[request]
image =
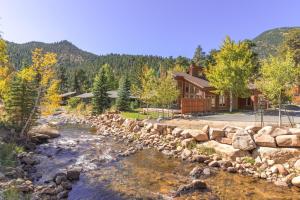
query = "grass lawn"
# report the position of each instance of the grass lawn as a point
(135, 114)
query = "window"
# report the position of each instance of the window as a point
(222, 101)
(213, 102)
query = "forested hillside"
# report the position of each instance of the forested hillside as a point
(268, 42)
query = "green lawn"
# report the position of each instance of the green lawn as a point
(135, 114)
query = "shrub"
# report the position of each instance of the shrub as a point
(8, 154)
(13, 194)
(134, 105)
(192, 145)
(73, 102)
(248, 159)
(206, 150)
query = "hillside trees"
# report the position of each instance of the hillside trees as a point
(100, 100)
(233, 69)
(277, 76)
(292, 44)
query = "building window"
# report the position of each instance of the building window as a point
(213, 102)
(222, 101)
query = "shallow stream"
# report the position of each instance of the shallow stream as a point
(147, 174)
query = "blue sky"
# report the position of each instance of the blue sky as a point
(157, 27)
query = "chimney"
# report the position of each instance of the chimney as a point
(195, 70)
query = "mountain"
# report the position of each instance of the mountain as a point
(67, 53)
(268, 42)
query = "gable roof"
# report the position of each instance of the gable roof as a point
(202, 83)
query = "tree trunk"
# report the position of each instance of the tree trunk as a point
(279, 110)
(231, 101)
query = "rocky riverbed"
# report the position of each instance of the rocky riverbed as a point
(124, 159)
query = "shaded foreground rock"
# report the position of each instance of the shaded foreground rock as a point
(279, 155)
(192, 187)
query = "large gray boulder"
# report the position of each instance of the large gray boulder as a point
(242, 140)
(43, 130)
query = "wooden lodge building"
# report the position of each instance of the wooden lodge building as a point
(196, 94)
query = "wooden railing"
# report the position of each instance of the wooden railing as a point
(195, 105)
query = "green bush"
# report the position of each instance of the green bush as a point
(206, 150)
(248, 159)
(13, 194)
(134, 105)
(73, 102)
(8, 154)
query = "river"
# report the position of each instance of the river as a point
(147, 174)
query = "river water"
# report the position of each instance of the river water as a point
(147, 174)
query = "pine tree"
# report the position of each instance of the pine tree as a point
(199, 56)
(100, 100)
(22, 95)
(123, 100)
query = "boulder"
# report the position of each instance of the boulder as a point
(225, 140)
(242, 140)
(176, 132)
(288, 140)
(185, 154)
(199, 135)
(265, 130)
(44, 130)
(279, 155)
(279, 131)
(196, 172)
(296, 181)
(148, 127)
(73, 174)
(225, 150)
(264, 139)
(186, 142)
(205, 129)
(280, 169)
(186, 133)
(297, 165)
(294, 131)
(192, 187)
(215, 133)
(252, 128)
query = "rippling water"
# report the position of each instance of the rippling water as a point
(148, 174)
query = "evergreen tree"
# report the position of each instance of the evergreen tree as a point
(112, 83)
(22, 94)
(199, 56)
(100, 100)
(123, 100)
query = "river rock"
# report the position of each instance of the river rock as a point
(199, 158)
(205, 129)
(225, 150)
(187, 142)
(62, 195)
(279, 155)
(294, 131)
(66, 185)
(73, 174)
(196, 172)
(177, 132)
(206, 171)
(199, 135)
(189, 188)
(296, 181)
(44, 130)
(252, 128)
(279, 131)
(278, 168)
(215, 133)
(214, 163)
(288, 140)
(186, 133)
(185, 154)
(242, 140)
(297, 165)
(231, 169)
(264, 139)
(148, 127)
